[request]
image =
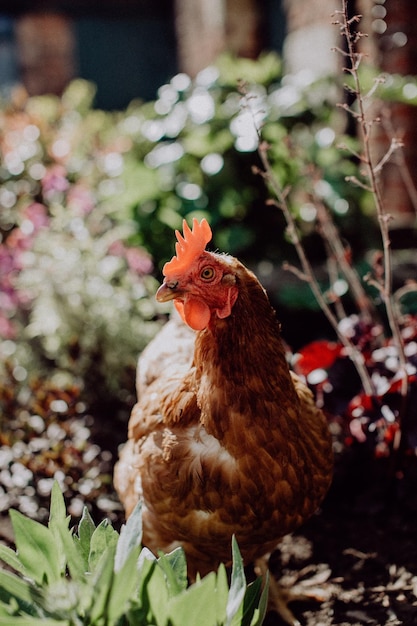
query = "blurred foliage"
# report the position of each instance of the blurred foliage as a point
(196, 147)
(89, 199)
(75, 302)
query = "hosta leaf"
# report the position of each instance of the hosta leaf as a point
(103, 537)
(237, 584)
(130, 537)
(36, 548)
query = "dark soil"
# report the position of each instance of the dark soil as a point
(359, 552)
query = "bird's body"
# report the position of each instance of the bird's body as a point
(224, 439)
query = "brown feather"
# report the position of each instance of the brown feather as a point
(224, 439)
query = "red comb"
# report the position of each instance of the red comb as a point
(189, 246)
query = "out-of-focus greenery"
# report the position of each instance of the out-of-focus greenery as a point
(196, 146)
(75, 301)
(89, 200)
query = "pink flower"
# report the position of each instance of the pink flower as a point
(117, 248)
(80, 199)
(7, 330)
(37, 214)
(54, 180)
(138, 260)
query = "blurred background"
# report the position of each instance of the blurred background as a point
(118, 118)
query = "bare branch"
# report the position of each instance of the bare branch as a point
(296, 271)
(395, 145)
(307, 273)
(365, 127)
(355, 181)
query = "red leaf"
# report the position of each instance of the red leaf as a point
(317, 354)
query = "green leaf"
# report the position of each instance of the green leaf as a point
(222, 594)
(58, 512)
(101, 583)
(58, 524)
(22, 591)
(62, 599)
(195, 606)
(146, 564)
(174, 566)
(82, 541)
(250, 603)
(33, 621)
(154, 594)
(259, 615)
(73, 559)
(36, 548)
(130, 537)
(125, 581)
(103, 537)
(237, 584)
(10, 557)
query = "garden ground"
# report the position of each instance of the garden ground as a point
(359, 551)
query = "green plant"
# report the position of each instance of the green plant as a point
(98, 577)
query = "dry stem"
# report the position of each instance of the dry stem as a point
(365, 125)
(307, 273)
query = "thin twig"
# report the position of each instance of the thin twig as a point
(365, 126)
(333, 240)
(307, 273)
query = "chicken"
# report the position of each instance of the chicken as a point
(224, 438)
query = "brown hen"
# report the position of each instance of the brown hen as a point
(224, 438)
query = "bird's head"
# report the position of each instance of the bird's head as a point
(201, 283)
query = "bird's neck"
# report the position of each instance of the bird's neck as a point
(242, 366)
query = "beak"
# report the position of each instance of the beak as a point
(168, 291)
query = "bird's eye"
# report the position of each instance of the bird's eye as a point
(207, 273)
